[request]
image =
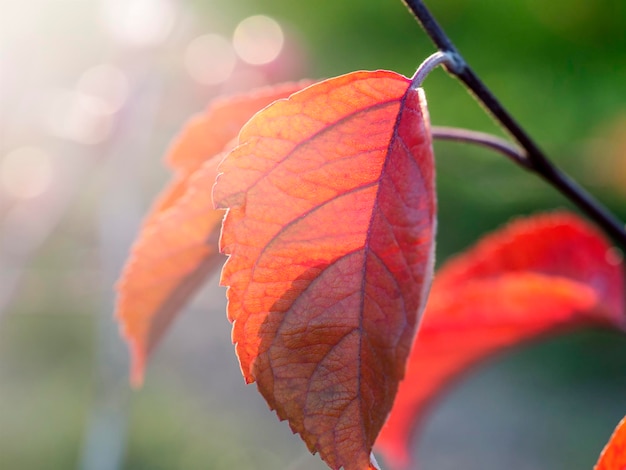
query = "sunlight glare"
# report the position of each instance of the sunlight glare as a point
(139, 22)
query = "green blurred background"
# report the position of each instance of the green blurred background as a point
(91, 93)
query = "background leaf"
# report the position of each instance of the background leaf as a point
(177, 246)
(531, 278)
(330, 235)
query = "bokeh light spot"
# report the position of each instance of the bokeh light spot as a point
(107, 83)
(77, 116)
(614, 256)
(26, 173)
(210, 59)
(258, 40)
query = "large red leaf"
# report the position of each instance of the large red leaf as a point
(532, 277)
(177, 246)
(330, 235)
(613, 457)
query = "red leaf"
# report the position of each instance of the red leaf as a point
(177, 246)
(613, 457)
(532, 277)
(330, 236)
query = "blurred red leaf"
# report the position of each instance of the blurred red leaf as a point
(330, 236)
(177, 246)
(532, 277)
(613, 457)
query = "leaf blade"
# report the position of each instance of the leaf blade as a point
(330, 222)
(176, 248)
(535, 276)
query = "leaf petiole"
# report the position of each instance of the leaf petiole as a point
(449, 60)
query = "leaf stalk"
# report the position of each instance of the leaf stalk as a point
(433, 61)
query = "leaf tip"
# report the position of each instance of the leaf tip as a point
(137, 364)
(373, 463)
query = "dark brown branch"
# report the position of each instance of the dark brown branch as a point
(538, 162)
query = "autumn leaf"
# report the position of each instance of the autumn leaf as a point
(537, 275)
(177, 247)
(613, 457)
(330, 225)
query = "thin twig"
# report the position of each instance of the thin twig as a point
(538, 161)
(514, 153)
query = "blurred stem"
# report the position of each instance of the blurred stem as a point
(537, 161)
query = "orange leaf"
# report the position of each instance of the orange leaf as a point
(177, 246)
(330, 236)
(532, 277)
(613, 457)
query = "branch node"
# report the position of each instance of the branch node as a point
(455, 64)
